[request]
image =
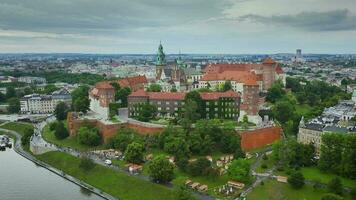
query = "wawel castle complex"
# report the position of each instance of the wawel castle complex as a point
(248, 83)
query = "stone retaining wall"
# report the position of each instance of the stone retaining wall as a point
(260, 137)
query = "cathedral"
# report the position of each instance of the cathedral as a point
(171, 76)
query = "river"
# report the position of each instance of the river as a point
(21, 179)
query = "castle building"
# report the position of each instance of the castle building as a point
(247, 79)
(103, 94)
(223, 105)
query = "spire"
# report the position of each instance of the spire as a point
(302, 123)
(161, 57)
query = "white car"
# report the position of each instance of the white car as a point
(108, 162)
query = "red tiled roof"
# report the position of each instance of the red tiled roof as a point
(218, 68)
(269, 61)
(279, 70)
(132, 81)
(218, 95)
(139, 93)
(246, 77)
(104, 85)
(167, 95)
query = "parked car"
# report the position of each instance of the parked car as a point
(108, 162)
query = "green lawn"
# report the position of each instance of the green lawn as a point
(115, 183)
(303, 109)
(273, 190)
(313, 173)
(19, 127)
(49, 136)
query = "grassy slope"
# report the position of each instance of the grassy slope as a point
(272, 190)
(115, 183)
(68, 142)
(17, 126)
(313, 173)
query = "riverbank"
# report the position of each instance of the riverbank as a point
(24, 153)
(106, 179)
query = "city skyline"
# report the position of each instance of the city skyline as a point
(207, 27)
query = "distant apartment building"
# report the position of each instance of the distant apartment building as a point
(335, 119)
(42, 104)
(247, 79)
(224, 105)
(31, 80)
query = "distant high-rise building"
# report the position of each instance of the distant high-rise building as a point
(298, 57)
(299, 53)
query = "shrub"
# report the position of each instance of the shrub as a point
(160, 169)
(335, 186)
(296, 180)
(60, 131)
(88, 136)
(134, 153)
(86, 164)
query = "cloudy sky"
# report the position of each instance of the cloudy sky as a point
(189, 26)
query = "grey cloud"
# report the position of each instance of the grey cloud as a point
(335, 20)
(93, 15)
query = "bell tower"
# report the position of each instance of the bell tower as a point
(160, 61)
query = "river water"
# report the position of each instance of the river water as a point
(21, 179)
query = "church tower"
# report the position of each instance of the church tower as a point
(160, 61)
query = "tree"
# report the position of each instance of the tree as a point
(353, 193)
(348, 162)
(154, 88)
(191, 114)
(25, 139)
(344, 82)
(53, 125)
(14, 105)
(89, 136)
(134, 153)
(296, 180)
(329, 196)
(147, 112)
(123, 138)
(161, 170)
(61, 111)
(283, 111)
(331, 152)
(245, 122)
(86, 164)
(121, 96)
(80, 99)
(60, 131)
(227, 86)
(230, 142)
(176, 145)
(198, 167)
(200, 105)
(49, 89)
(239, 170)
(335, 186)
(275, 92)
(10, 92)
(181, 192)
(81, 104)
